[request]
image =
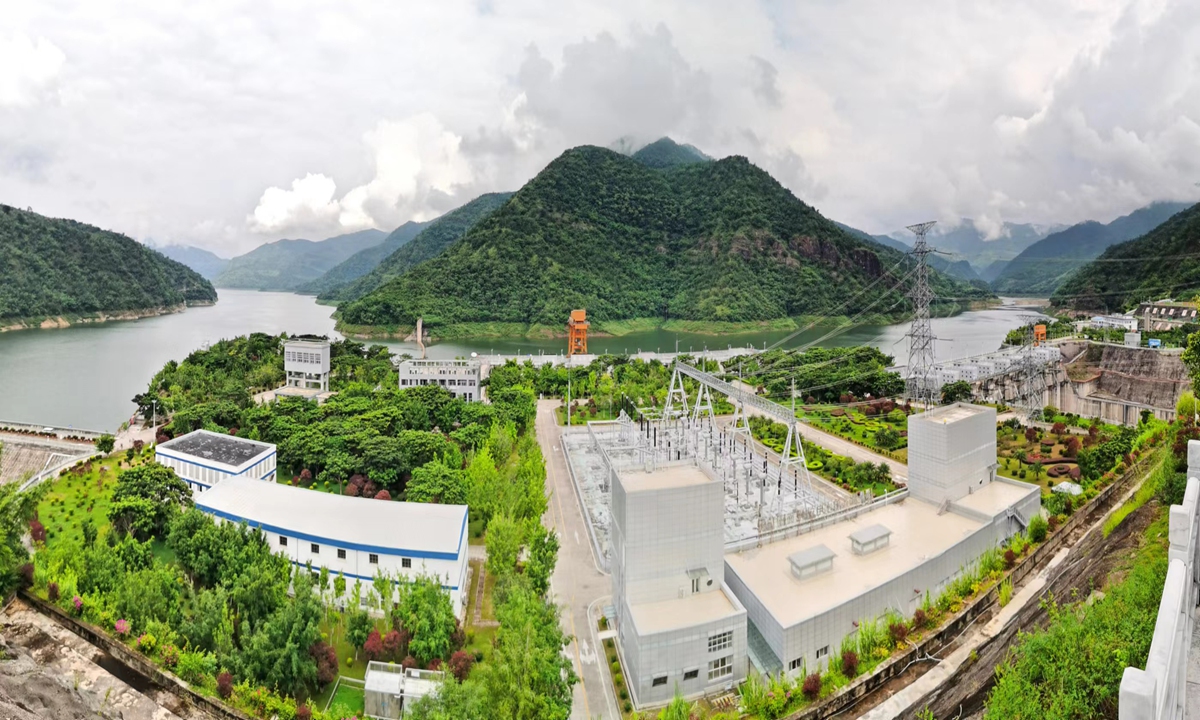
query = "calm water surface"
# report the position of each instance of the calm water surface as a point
(86, 376)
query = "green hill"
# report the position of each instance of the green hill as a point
(208, 264)
(717, 242)
(1163, 262)
(666, 153)
(363, 261)
(53, 268)
(430, 242)
(288, 264)
(1044, 265)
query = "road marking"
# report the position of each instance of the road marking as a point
(576, 537)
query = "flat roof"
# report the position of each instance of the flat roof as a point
(952, 413)
(228, 450)
(695, 609)
(675, 476)
(995, 497)
(420, 530)
(315, 342)
(918, 533)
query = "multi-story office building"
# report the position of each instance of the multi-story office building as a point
(306, 363)
(460, 377)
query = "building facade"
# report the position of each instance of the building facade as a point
(306, 364)
(679, 626)
(1166, 314)
(1114, 322)
(460, 377)
(356, 537)
(203, 458)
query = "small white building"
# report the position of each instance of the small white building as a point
(357, 537)
(1114, 322)
(951, 451)
(390, 690)
(460, 377)
(306, 363)
(203, 458)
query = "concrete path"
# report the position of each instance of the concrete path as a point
(1193, 671)
(577, 585)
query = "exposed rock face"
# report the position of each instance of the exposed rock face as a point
(1149, 377)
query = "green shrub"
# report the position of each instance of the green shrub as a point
(1037, 529)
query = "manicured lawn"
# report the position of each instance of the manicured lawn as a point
(349, 696)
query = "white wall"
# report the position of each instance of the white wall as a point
(201, 476)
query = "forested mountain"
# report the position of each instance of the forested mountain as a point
(966, 241)
(666, 153)
(1044, 265)
(1162, 263)
(430, 242)
(716, 241)
(363, 261)
(202, 261)
(288, 264)
(51, 267)
(960, 269)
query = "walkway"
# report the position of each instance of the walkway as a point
(577, 585)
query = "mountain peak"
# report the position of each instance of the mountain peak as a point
(666, 153)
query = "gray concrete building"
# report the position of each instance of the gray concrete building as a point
(679, 626)
(460, 377)
(306, 363)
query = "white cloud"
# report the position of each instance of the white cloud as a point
(27, 68)
(310, 202)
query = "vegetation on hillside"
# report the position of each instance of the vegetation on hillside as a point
(842, 374)
(1043, 266)
(288, 264)
(718, 241)
(51, 267)
(666, 153)
(363, 261)
(430, 242)
(1162, 263)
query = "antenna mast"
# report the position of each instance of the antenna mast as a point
(920, 387)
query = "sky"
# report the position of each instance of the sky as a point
(228, 124)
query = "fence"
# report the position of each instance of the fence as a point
(1160, 691)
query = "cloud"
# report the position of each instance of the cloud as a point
(309, 203)
(27, 69)
(766, 86)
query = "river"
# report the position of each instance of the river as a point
(85, 376)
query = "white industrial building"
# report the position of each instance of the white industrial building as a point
(203, 458)
(356, 537)
(805, 593)
(1127, 323)
(460, 377)
(390, 690)
(306, 363)
(680, 627)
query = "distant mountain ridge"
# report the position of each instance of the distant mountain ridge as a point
(56, 269)
(966, 241)
(363, 261)
(710, 242)
(208, 264)
(1164, 262)
(666, 153)
(960, 269)
(1043, 266)
(430, 242)
(287, 264)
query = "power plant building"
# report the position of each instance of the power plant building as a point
(306, 364)
(460, 377)
(204, 459)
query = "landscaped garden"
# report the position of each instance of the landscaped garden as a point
(838, 469)
(881, 425)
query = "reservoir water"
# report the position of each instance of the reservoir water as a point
(85, 376)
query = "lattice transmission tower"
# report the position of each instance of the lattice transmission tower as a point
(921, 386)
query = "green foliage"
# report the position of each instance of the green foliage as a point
(825, 373)
(1073, 668)
(1133, 271)
(361, 262)
(543, 555)
(666, 153)
(288, 264)
(503, 545)
(424, 610)
(16, 510)
(145, 500)
(957, 391)
(105, 443)
(711, 241)
(51, 267)
(434, 482)
(529, 678)
(429, 243)
(1038, 529)
(277, 655)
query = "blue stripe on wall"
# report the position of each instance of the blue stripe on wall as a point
(332, 574)
(223, 471)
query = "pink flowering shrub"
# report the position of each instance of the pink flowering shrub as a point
(121, 627)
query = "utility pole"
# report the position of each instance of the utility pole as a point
(920, 350)
(568, 392)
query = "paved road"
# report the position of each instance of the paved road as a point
(578, 586)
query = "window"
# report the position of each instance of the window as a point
(282, 541)
(373, 559)
(798, 662)
(691, 674)
(316, 549)
(660, 680)
(695, 585)
(823, 652)
(720, 641)
(341, 554)
(719, 668)
(405, 562)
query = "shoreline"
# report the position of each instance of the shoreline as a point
(57, 322)
(621, 328)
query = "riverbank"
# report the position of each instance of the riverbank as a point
(623, 328)
(54, 322)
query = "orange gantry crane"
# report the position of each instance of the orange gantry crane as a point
(577, 327)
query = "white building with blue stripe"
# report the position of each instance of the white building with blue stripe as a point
(204, 459)
(355, 536)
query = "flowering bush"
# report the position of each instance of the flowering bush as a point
(169, 655)
(383, 495)
(77, 602)
(121, 627)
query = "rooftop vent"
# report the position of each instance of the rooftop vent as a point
(870, 539)
(811, 561)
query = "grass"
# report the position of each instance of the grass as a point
(78, 495)
(1150, 486)
(351, 697)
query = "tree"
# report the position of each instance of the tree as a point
(503, 543)
(373, 647)
(16, 510)
(358, 627)
(1185, 407)
(434, 482)
(528, 677)
(517, 404)
(452, 701)
(957, 391)
(1072, 448)
(543, 555)
(887, 438)
(88, 529)
(424, 610)
(1030, 434)
(105, 443)
(1037, 471)
(339, 587)
(145, 500)
(1058, 428)
(460, 664)
(278, 654)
